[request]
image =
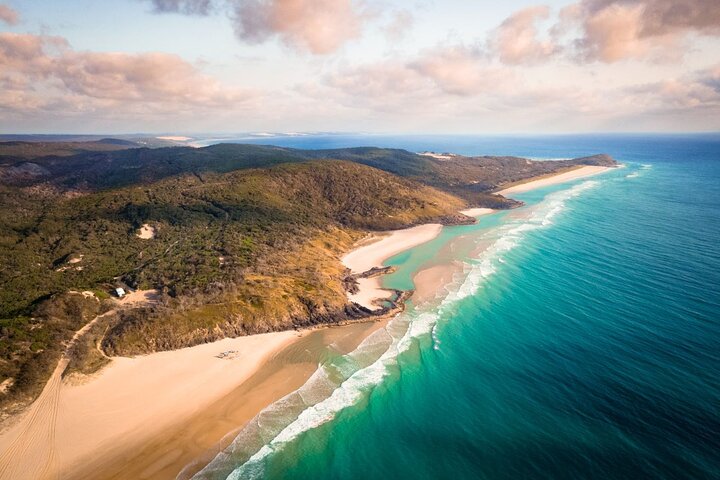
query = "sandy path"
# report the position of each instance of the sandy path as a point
(30, 447)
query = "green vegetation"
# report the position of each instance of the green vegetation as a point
(19, 150)
(30, 346)
(248, 251)
(247, 240)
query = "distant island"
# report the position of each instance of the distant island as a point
(149, 249)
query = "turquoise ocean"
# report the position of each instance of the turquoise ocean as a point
(579, 337)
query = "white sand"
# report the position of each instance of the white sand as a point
(477, 212)
(130, 402)
(575, 174)
(146, 232)
(369, 291)
(174, 138)
(373, 254)
(438, 156)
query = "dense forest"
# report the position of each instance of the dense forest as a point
(247, 239)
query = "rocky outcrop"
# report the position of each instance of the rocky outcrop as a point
(350, 282)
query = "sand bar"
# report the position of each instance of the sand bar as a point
(429, 282)
(477, 212)
(373, 252)
(568, 176)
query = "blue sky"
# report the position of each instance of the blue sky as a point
(348, 65)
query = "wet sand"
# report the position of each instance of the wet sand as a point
(184, 434)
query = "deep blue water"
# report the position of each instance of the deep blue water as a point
(582, 339)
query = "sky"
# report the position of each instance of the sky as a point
(377, 66)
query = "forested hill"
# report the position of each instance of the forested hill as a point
(471, 178)
(247, 239)
(235, 253)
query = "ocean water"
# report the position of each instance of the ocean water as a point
(579, 338)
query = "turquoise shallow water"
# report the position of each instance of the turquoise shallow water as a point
(581, 339)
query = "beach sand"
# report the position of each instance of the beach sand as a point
(568, 176)
(174, 138)
(126, 405)
(374, 251)
(477, 212)
(182, 442)
(153, 416)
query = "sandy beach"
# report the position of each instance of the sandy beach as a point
(375, 250)
(174, 138)
(128, 403)
(568, 176)
(477, 212)
(153, 416)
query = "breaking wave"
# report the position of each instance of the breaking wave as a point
(344, 381)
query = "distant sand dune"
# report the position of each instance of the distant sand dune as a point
(146, 232)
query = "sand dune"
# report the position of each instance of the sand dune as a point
(146, 232)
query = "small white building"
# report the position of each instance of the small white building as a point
(120, 292)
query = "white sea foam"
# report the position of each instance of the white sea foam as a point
(343, 383)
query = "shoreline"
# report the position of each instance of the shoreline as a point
(184, 447)
(556, 179)
(374, 251)
(128, 403)
(131, 419)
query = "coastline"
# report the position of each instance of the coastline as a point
(187, 443)
(372, 252)
(128, 403)
(567, 176)
(135, 409)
